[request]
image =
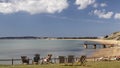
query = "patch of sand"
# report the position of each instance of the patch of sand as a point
(106, 52)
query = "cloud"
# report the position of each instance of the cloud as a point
(117, 16)
(103, 4)
(96, 5)
(84, 3)
(32, 6)
(103, 14)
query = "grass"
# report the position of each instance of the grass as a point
(113, 64)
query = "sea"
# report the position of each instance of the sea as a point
(15, 48)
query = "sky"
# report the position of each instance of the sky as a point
(59, 18)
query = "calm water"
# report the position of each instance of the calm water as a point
(17, 48)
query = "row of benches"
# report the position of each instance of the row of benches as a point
(62, 59)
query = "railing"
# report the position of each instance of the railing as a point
(54, 60)
(11, 61)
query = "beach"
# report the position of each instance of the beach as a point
(107, 52)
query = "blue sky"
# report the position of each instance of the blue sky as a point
(59, 18)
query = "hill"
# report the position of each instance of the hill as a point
(114, 36)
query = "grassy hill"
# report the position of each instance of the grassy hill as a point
(115, 36)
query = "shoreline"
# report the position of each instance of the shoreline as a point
(107, 52)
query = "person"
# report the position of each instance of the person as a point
(25, 60)
(83, 60)
(47, 59)
(36, 59)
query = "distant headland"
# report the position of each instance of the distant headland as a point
(112, 36)
(33, 37)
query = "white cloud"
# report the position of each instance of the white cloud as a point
(33, 6)
(103, 4)
(95, 5)
(117, 16)
(103, 14)
(84, 3)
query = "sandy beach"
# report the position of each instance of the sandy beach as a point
(103, 41)
(106, 52)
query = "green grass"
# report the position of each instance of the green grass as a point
(113, 64)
